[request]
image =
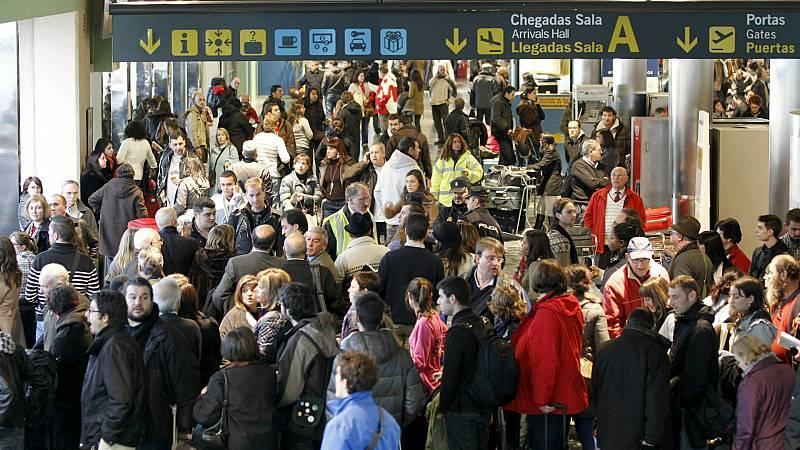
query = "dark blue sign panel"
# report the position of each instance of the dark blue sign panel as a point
(435, 35)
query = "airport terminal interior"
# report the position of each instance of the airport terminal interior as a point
(567, 156)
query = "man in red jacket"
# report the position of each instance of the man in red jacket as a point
(604, 205)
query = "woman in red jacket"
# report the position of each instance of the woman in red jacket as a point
(547, 346)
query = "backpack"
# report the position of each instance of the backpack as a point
(42, 402)
(566, 186)
(494, 382)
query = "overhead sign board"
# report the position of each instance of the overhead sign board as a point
(473, 34)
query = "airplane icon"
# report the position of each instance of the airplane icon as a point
(720, 36)
(489, 39)
(722, 39)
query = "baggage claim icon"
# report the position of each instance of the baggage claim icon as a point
(253, 42)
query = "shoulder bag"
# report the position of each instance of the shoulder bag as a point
(215, 437)
(376, 437)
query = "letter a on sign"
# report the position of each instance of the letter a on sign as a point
(623, 35)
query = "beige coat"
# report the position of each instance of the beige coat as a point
(10, 321)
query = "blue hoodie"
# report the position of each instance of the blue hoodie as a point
(355, 423)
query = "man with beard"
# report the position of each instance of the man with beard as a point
(783, 287)
(170, 366)
(792, 236)
(458, 209)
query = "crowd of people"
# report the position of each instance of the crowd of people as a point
(265, 281)
(741, 88)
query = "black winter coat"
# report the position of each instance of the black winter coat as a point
(70, 346)
(207, 270)
(178, 251)
(91, 181)
(351, 117)
(693, 358)
(172, 375)
(252, 400)
(233, 120)
(630, 378)
(502, 120)
(113, 394)
(550, 165)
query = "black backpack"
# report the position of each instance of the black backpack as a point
(47, 365)
(495, 380)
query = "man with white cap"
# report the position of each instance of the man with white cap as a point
(621, 292)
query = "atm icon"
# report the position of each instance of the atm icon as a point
(322, 41)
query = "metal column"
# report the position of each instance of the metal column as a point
(692, 82)
(630, 78)
(586, 71)
(9, 134)
(784, 97)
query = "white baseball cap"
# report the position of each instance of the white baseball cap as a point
(640, 248)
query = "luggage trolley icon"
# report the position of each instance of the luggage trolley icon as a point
(321, 41)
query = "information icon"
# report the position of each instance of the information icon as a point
(394, 41)
(184, 42)
(322, 41)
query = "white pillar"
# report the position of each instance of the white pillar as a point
(53, 96)
(784, 97)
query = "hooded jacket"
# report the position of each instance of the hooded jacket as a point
(119, 201)
(630, 378)
(484, 87)
(399, 389)
(446, 170)
(761, 406)
(424, 150)
(547, 346)
(392, 180)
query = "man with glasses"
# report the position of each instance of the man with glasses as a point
(621, 292)
(486, 274)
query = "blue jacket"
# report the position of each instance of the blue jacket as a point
(356, 422)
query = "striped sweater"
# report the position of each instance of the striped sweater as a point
(82, 270)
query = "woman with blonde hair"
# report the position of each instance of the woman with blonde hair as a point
(223, 154)
(192, 186)
(10, 285)
(37, 211)
(271, 325)
(125, 254)
(245, 308)
(426, 340)
(762, 398)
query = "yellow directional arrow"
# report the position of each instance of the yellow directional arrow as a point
(150, 46)
(455, 45)
(687, 44)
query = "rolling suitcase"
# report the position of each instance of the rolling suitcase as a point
(564, 419)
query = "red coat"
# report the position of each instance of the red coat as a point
(739, 259)
(547, 346)
(783, 321)
(595, 216)
(621, 296)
